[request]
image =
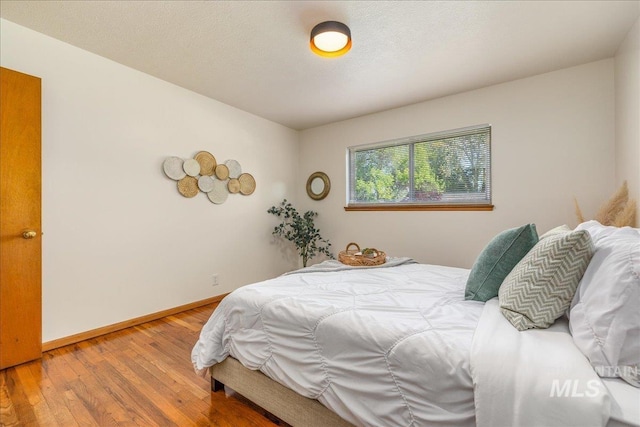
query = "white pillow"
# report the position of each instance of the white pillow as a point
(562, 229)
(599, 231)
(605, 312)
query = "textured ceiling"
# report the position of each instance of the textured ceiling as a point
(255, 55)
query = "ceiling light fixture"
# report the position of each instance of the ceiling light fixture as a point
(330, 39)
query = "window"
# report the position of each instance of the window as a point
(445, 170)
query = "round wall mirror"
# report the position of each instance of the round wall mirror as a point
(318, 185)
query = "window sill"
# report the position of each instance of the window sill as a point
(443, 207)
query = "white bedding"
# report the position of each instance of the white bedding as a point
(536, 377)
(380, 347)
(400, 346)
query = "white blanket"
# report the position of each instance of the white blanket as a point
(393, 347)
(536, 377)
(380, 347)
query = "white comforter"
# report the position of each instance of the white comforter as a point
(396, 347)
(380, 347)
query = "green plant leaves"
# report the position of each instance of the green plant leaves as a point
(301, 231)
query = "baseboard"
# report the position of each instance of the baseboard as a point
(83, 336)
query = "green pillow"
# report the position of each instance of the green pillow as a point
(497, 260)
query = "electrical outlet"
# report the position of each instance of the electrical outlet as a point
(214, 280)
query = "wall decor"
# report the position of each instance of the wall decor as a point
(188, 186)
(173, 168)
(203, 173)
(191, 167)
(247, 183)
(222, 172)
(207, 163)
(205, 183)
(318, 185)
(234, 168)
(233, 185)
(218, 193)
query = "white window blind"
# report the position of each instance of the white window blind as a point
(452, 167)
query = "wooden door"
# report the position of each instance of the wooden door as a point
(20, 220)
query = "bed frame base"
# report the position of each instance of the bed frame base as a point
(273, 397)
(216, 385)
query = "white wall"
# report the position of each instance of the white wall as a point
(627, 78)
(119, 240)
(552, 139)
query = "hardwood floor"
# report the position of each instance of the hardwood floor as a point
(141, 376)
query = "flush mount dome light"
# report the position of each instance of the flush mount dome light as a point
(331, 39)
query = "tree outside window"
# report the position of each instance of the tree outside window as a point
(445, 168)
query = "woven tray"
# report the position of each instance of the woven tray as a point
(349, 257)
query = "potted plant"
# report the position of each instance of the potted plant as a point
(301, 231)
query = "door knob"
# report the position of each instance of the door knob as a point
(29, 234)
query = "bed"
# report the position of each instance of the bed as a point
(399, 345)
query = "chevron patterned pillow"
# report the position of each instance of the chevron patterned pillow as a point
(541, 286)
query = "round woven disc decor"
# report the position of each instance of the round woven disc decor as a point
(233, 185)
(188, 186)
(219, 193)
(204, 174)
(191, 167)
(205, 183)
(172, 167)
(234, 168)
(207, 162)
(247, 184)
(222, 172)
